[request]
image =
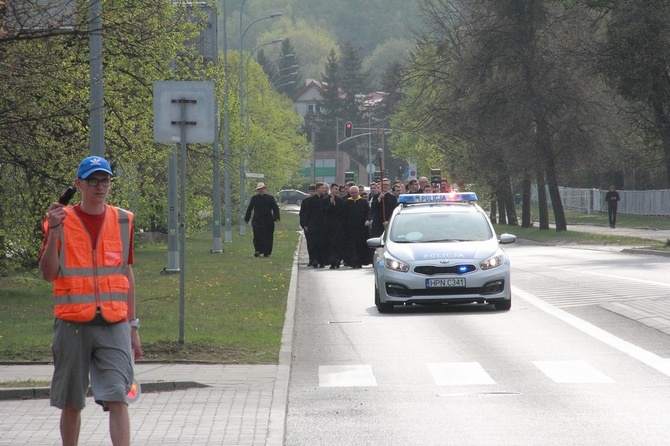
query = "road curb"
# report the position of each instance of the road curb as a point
(649, 252)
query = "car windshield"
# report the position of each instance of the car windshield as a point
(442, 227)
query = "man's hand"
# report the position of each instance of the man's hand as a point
(135, 343)
(56, 214)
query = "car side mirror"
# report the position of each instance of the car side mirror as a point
(506, 239)
(375, 242)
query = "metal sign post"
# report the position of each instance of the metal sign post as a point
(183, 113)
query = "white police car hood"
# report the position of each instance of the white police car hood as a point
(453, 250)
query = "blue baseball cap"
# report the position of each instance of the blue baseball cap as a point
(93, 164)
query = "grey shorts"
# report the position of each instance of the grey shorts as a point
(104, 351)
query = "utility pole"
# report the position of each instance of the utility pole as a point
(96, 115)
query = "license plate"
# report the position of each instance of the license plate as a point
(445, 283)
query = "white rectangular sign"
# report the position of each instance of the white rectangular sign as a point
(198, 116)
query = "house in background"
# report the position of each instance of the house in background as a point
(329, 165)
(306, 100)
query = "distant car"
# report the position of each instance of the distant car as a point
(440, 249)
(291, 196)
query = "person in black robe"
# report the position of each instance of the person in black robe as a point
(356, 229)
(305, 211)
(333, 232)
(382, 206)
(311, 222)
(266, 213)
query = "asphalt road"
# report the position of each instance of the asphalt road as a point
(559, 368)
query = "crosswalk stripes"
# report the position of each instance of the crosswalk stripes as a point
(346, 376)
(572, 372)
(459, 374)
(463, 373)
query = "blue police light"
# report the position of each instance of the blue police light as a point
(450, 197)
(462, 269)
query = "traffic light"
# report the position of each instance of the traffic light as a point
(435, 175)
(348, 129)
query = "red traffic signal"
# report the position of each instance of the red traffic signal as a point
(348, 129)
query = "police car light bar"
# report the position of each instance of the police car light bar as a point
(450, 197)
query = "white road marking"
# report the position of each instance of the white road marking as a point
(346, 376)
(459, 373)
(652, 360)
(572, 372)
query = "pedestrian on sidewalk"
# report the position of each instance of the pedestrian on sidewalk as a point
(87, 254)
(266, 213)
(612, 198)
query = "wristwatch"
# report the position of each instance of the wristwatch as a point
(134, 322)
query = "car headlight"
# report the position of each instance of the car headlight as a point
(492, 262)
(395, 264)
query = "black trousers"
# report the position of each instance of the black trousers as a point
(263, 235)
(611, 213)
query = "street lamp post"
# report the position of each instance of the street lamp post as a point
(246, 134)
(278, 75)
(284, 84)
(243, 229)
(97, 141)
(285, 56)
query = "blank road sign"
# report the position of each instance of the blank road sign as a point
(201, 114)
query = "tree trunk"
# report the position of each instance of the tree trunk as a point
(3, 251)
(542, 200)
(512, 219)
(494, 211)
(502, 218)
(526, 203)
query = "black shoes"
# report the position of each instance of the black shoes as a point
(257, 254)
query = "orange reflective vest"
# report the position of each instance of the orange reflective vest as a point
(93, 277)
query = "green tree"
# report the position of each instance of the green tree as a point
(634, 58)
(491, 74)
(44, 116)
(288, 63)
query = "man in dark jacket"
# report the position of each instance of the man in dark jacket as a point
(266, 213)
(612, 198)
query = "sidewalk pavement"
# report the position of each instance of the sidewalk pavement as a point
(205, 404)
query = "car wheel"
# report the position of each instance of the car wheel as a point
(298, 201)
(382, 307)
(503, 305)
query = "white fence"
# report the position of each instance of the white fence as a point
(634, 202)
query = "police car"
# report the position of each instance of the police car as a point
(437, 249)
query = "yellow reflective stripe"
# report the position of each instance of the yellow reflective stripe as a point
(74, 299)
(124, 226)
(89, 298)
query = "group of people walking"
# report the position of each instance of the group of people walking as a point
(337, 225)
(336, 219)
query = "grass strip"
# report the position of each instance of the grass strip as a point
(234, 302)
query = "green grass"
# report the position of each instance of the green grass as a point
(29, 383)
(600, 219)
(234, 305)
(622, 220)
